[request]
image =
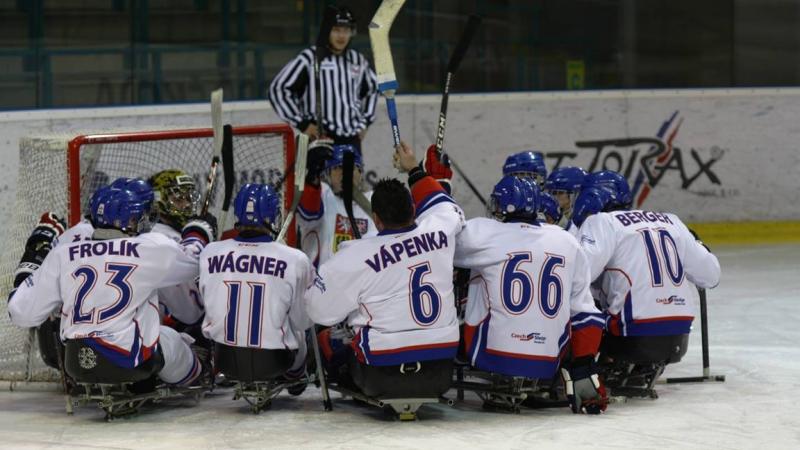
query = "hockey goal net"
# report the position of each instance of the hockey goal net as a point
(59, 173)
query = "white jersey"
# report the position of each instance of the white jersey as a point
(650, 264)
(573, 229)
(181, 302)
(528, 296)
(106, 291)
(324, 225)
(81, 231)
(253, 293)
(396, 289)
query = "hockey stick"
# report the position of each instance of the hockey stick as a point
(227, 176)
(452, 66)
(299, 183)
(382, 53)
(704, 343)
(323, 384)
(348, 165)
(216, 124)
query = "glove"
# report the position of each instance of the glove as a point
(436, 165)
(698, 240)
(585, 390)
(200, 227)
(38, 245)
(319, 152)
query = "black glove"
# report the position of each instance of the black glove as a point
(319, 152)
(585, 390)
(38, 245)
(697, 238)
(202, 227)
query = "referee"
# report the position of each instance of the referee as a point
(349, 88)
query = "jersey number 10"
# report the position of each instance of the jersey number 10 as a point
(668, 254)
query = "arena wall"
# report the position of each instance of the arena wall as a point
(715, 157)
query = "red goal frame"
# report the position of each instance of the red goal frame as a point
(75, 145)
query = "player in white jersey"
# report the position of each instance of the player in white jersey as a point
(105, 289)
(396, 289)
(253, 287)
(321, 214)
(650, 266)
(532, 303)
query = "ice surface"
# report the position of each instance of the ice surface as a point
(754, 321)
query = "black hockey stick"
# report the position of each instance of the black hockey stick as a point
(452, 66)
(228, 176)
(348, 165)
(704, 343)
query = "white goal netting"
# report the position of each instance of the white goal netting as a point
(59, 173)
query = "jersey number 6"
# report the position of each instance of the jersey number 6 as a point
(425, 302)
(517, 285)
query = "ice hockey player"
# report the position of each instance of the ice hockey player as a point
(564, 184)
(535, 303)
(176, 200)
(605, 190)
(104, 288)
(649, 266)
(396, 289)
(321, 214)
(526, 164)
(347, 85)
(549, 211)
(253, 287)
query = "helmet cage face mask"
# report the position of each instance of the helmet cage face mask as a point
(178, 201)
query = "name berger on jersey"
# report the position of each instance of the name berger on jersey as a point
(413, 246)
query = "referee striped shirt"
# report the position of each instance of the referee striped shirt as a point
(349, 92)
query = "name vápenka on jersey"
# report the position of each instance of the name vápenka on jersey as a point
(410, 247)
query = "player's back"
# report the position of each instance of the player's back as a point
(648, 264)
(107, 288)
(531, 279)
(402, 283)
(253, 293)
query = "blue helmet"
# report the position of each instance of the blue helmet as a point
(136, 185)
(591, 200)
(548, 206)
(338, 156)
(615, 184)
(122, 209)
(97, 196)
(526, 163)
(257, 205)
(515, 197)
(566, 179)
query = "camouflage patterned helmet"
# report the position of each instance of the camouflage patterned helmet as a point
(175, 196)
